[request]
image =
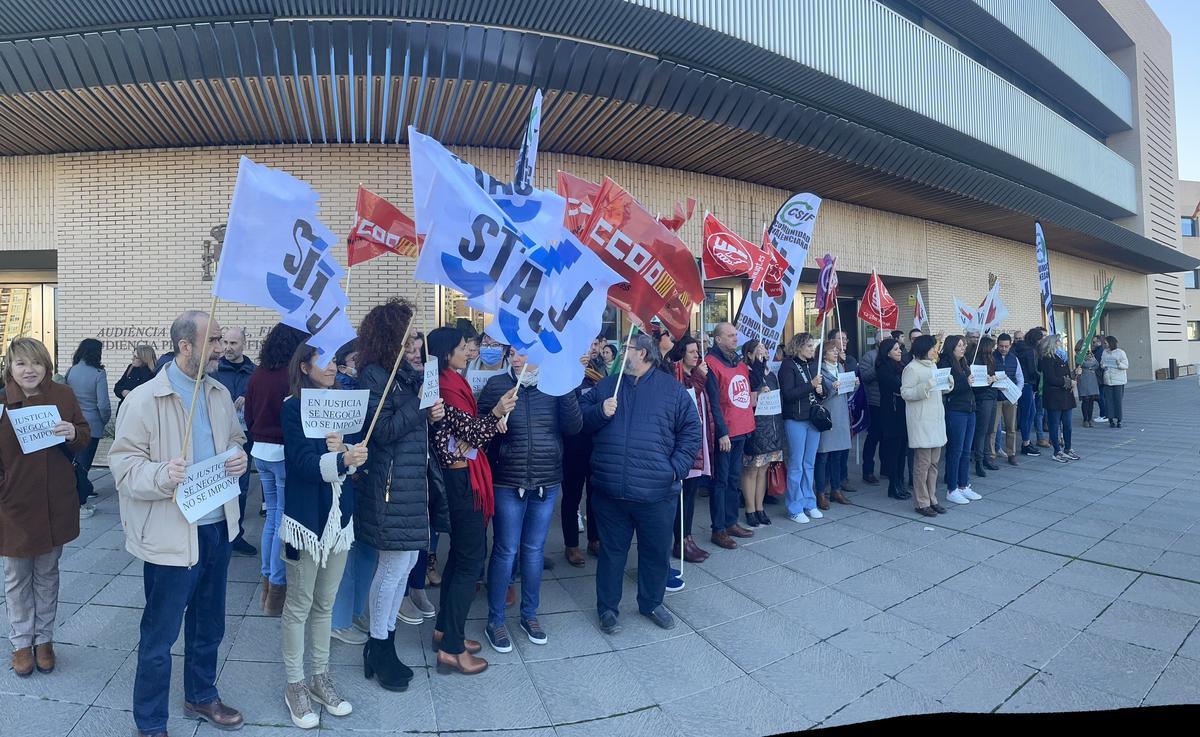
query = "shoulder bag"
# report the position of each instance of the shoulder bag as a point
(818, 415)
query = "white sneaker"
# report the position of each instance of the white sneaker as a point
(970, 494)
(1101, 419)
(814, 513)
(958, 497)
(579, 522)
(86, 511)
(799, 518)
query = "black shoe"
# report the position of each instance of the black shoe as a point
(752, 520)
(1029, 450)
(547, 564)
(241, 547)
(763, 519)
(1118, 423)
(926, 512)
(380, 662)
(990, 466)
(938, 508)
(894, 493)
(871, 479)
(609, 624)
(979, 470)
(904, 495)
(661, 617)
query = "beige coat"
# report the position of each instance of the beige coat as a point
(923, 409)
(150, 429)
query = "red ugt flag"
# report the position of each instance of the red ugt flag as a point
(675, 222)
(725, 252)
(661, 278)
(768, 275)
(379, 227)
(878, 308)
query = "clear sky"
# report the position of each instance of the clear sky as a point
(1182, 19)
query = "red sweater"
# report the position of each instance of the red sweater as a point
(264, 404)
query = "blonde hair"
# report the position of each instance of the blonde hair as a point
(31, 350)
(146, 354)
(796, 344)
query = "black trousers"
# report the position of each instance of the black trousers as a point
(893, 454)
(874, 440)
(577, 463)
(464, 563)
(691, 487)
(618, 520)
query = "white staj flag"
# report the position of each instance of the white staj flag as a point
(278, 255)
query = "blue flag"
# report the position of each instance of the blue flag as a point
(1043, 264)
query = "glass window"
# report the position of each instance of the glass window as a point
(1194, 330)
(718, 307)
(1191, 279)
(1187, 226)
(1060, 320)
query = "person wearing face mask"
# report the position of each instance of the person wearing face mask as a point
(346, 361)
(492, 360)
(317, 531)
(39, 508)
(527, 474)
(801, 387)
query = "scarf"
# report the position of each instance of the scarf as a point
(696, 381)
(456, 393)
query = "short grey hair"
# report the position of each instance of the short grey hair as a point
(643, 342)
(233, 329)
(185, 327)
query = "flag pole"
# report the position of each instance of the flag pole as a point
(187, 430)
(517, 388)
(391, 377)
(624, 360)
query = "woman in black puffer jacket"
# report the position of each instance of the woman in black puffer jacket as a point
(399, 490)
(765, 446)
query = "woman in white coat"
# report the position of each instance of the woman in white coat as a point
(1115, 364)
(925, 416)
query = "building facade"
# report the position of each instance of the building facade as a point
(938, 132)
(1189, 231)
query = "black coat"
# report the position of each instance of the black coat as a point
(891, 407)
(768, 429)
(400, 490)
(310, 497)
(1056, 384)
(1028, 356)
(529, 455)
(961, 397)
(795, 392)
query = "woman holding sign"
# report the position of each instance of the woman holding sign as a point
(39, 508)
(985, 403)
(765, 446)
(317, 532)
(834, 442)
(893, 433)
(1057, 382)
(925, 418)
(960, 421)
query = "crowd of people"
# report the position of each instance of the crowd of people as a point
(352, 523)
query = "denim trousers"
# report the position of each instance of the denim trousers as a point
(83, 464)
(829, 468)
(960, 431)
(1055, 419)
(985, 416)
(1114, 397)
(521, 524)
(618, 520)
(727, 485)
(273, 475)
(802, 440)
(244, 490)
(193, 596)
(1039, 417)
(1026, 409)
(355, 587)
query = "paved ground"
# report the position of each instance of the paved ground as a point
(1068, 588)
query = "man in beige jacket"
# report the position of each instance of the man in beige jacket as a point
(185, 564)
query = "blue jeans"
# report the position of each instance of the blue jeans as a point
(1057, 417)
(726, 486)
(802, 440)
(194, 597)
(1039, 415)
(352, 593)
(617, 520)
(960, 431)
(1026, 408)
(83, 463)
(872, 443)
(829, 468)
(1103, 402)
(518, 524)
(273, 475)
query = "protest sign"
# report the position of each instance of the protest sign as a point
(846, 382)
(941, 379)
(332, 410)
(478, 379)
(979, 375)
(1043, 267)
(1009, 389)
(206, 486)
(769, 403)
(34, 427)
(431, 388)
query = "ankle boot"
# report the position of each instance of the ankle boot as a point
(979, 469)
(464, 663)
(822, 501)
(692, 552)
(380, 662)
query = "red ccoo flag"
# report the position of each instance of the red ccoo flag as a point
(878, 308)
(580, 194)
(681, 216)
(379, 227)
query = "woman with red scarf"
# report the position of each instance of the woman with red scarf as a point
(459, 442)
(690, 370)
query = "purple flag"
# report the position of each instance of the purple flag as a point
(827, 285)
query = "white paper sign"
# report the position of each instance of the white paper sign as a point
(34, 427)
(206, 487)
(979, 375)
(332, 410)
(452, 446)
(431, 389)
(478, 379)
(769, 403)
(1110, 361)
(774, 366)
(846, 382)
(1006, 386)
(941, 379)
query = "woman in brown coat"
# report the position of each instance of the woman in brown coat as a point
(39, 509)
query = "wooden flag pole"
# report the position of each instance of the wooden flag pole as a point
(187, 430)
(391, 377)
(624, 360)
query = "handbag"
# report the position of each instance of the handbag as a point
(818, 415)
(777, 479)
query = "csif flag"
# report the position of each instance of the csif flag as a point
(1043, 266)
(278, 255)
(878, 308)
(379, 227)
(919, 313)
(827, 286)
(527, 159)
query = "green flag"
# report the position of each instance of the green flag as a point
(1095, 323)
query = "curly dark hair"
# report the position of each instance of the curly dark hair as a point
(88, 352)
(279, 345)
(381, 334)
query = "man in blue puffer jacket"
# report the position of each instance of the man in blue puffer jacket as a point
(644, 442)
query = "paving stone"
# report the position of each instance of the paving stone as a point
(101, 722)
(124, 591)
(1125, 555)
(877, 549)
(819, 680)
(918, 533)
(1177, 565)
(875, 521)
(891, 699)
(1094, 577)
(1062, 543)
(759, 639)
(1073, 607)
(375, 708)
(786, 548)
(727, 564)
(117, 691)
(645, 723)
(658, 666)
(884, 653)
(1150, 537)
(96, 560)
(1109, 665)
(569, 635)
(827, 611)
(759, 711)
(995, 585)
(1178, 684)
(1019, 637)
(1050, 693)
(33, 717)
(1166, 593)
(774, 585)
(944, 611)
(1036, 563)
(112, 628)
(588, 687)
(1152, 627)
(710, 606)
(1191, 646)
(78, 678)
(834, 534)
(969, 547)
(830, 566)
(1004, 531)
(79, 588)
(1076, 525)
(965, 679)
(882, 587)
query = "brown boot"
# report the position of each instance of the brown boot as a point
(722, 540)
(575, 557)
(472, 646)
(738, 531)
(464, 663)
(44, 655)
(275, 599)
(594, 548)
(693, 553)
(266, 589)
(22, 661)
(839, 497)
(431, 573)
(822, 501)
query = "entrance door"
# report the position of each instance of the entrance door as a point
(27, 310)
